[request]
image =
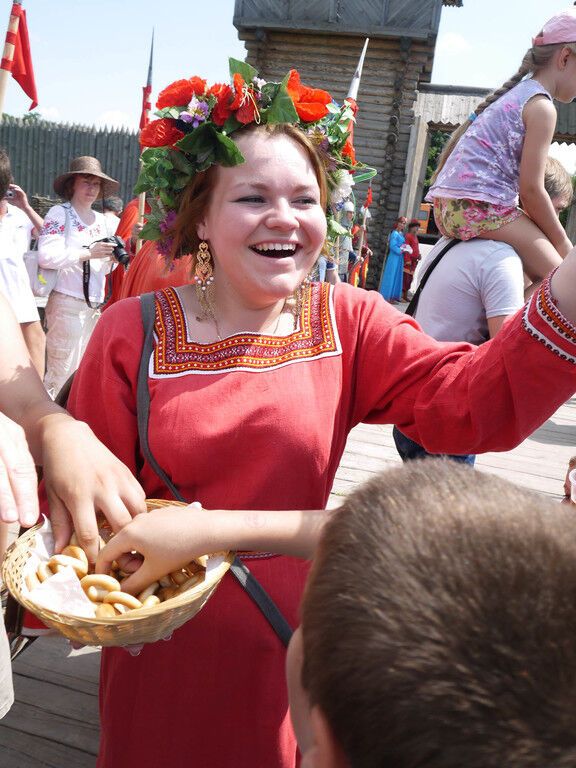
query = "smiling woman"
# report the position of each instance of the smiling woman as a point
(255, 378)
(265, 225)
(70, 243)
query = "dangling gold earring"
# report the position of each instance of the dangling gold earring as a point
(204, 277)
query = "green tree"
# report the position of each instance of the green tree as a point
(31, 117)
(437, 141)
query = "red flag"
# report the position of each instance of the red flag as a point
(21, 64)
(368, 201)
(147, 91)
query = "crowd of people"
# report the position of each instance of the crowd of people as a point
(437, 622)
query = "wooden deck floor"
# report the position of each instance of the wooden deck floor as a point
(54, 722)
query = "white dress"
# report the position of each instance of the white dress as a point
(15, 231)
(69, 319)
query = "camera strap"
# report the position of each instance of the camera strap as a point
(86, 286)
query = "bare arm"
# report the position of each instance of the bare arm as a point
(20, 200)
(81, 474)
(169, 538)
(495, 323)
(540, 121)
(563, 286)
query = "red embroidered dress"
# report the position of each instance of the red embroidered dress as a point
(260, 422)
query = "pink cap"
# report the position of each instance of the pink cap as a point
(559, 29)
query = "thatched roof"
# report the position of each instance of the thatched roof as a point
(454, 3)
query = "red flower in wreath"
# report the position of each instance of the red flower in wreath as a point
(311, 103)
(244, 104)
(221, 110)
(160, 133)
(179, 93)
(348, 150)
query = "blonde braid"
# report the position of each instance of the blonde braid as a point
(534, 59)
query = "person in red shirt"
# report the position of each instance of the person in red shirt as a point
(411, 258)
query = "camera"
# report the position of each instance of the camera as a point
(9, 194)
(119, 251)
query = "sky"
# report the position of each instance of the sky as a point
(91, 56)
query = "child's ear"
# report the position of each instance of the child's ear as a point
(565, 54)
(326, 751)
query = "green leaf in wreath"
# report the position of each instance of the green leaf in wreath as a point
(150, 231)
(231, 125)
(143, 183)
(180, 163)
(282, 109)
(241, 68)
(173, 112)
(227, 152)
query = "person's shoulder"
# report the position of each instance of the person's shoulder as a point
(121, 311)
(351, 302)
(56, 212)
(18, 216)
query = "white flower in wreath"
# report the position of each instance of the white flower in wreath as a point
(342, 189)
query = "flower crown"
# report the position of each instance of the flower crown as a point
(194, 128)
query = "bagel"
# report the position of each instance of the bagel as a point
(44, 572)
(165, 593)
(79, 566)
(178, 577)
(74, 551)
(150, 601)
(105, 611)
(100, 581)
(96, 594)
(148, 592)
(32, 581)
(189, 583)
(123, 598)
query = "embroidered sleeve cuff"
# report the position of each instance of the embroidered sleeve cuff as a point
(544, 322)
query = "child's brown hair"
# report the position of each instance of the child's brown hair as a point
(439, 623)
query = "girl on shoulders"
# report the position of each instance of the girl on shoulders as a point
(499, 154)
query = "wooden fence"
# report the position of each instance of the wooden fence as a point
(40, 150)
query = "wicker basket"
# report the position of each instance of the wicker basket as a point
(146, 625)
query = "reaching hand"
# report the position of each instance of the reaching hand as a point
(82, 478)
(166, 539)
(18, 479)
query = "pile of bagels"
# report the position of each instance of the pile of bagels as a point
(105, 591)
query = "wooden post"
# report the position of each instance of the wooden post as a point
(8, 55)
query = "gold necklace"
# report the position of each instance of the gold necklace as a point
(292, 303)
(263, 332)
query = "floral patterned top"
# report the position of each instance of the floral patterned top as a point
(61, 246)
(485, 164)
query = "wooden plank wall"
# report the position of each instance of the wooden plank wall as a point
(392, 71)
(40, 151)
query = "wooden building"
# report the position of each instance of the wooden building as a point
(323, 39)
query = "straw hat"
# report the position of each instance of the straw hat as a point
(82, 166)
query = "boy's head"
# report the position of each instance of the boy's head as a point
(439, 626)
(558, 184)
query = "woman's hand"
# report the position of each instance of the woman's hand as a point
(82, 478)
(167, 539)
(99, 251)
(18, 479)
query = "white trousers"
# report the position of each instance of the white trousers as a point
(70, 323)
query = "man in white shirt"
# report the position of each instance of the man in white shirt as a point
(474, 288)
(18, 220)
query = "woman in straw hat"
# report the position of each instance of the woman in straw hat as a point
(244, 177)
(69, 243)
